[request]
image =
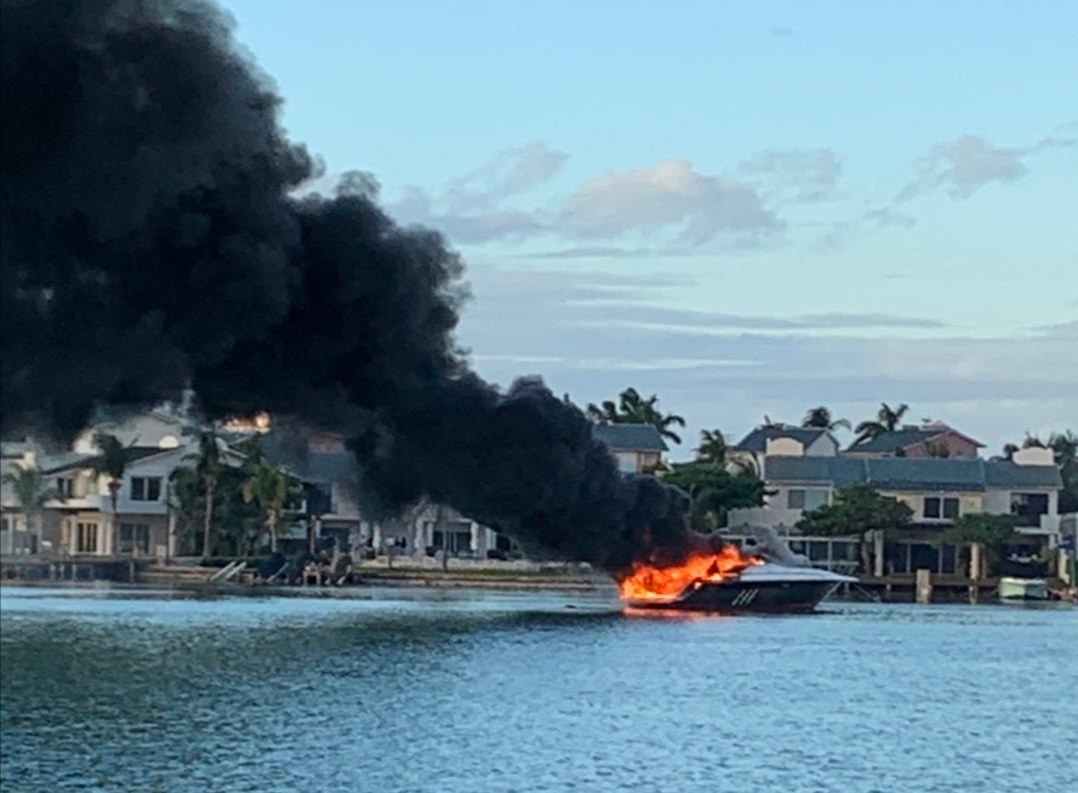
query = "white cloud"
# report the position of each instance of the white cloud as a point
(668, 197)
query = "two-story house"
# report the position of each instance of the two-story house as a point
(638, 448)
(82, 521)
(937, 491)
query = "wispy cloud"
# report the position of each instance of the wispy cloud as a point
(670, 197)
(968, 163)
(779, 31)
(472, 208)
(795, 174)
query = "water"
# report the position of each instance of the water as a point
(475, 692)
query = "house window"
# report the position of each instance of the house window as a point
(5, 525)
(86, 538)
(933, 508)
(134, 537)
(145, 488)
(950, 508)
(806, 499)
(65, 486)
(936, 508)
(1028, 507)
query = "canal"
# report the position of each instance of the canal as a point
(469, 692)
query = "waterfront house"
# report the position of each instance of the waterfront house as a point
(938, 491)
(638, 448)
(82, 522)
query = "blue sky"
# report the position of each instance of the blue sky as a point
(747, 208)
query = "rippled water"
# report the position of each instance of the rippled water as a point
(428, 691)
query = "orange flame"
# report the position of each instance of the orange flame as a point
(651, 583)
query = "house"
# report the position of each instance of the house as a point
(938, 491)
(16, 533)
(638, 448)
(927, 440)
(330, 478)
(82, 521)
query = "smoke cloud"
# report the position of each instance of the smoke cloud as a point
(150, 242)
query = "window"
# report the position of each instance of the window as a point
(86, 538)
(795, 499)
(134, 537)
(814, 499)
(932, 508)
(950, 508)
(145, 488)
(4, 525)
(65, 486)
(937, 508)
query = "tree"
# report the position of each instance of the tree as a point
(714, 491)
(32, 492)
(631, 408)
(821, 417)
(111, 463)
(887, 420)
(992, 532)
(712, 448)
(856, 511)
(1009, 450)
(271, 488)
(1064, 446)
(208, 463)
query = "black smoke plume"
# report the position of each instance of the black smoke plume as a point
(150, 241)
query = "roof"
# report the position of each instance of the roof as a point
(913, 474)
(756, 441)
(629, 437)
(1005, 473)
(891, 442)
(68, 462)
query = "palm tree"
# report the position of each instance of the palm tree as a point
(821, 417)
(887, 420)
(712, 448)
(634, 409)
(271, 488)
(208, 464)
(111, 463)
(1033, 442)
(32, 491)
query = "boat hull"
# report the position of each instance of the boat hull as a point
(768, 597)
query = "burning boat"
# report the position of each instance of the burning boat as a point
(769, 578)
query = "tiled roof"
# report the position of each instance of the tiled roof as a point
(68, 462)
(1005, 473)
(629, 437)
(756, 441)
(909, 473)
(891, 442)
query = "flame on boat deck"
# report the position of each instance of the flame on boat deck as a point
(646, 582)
